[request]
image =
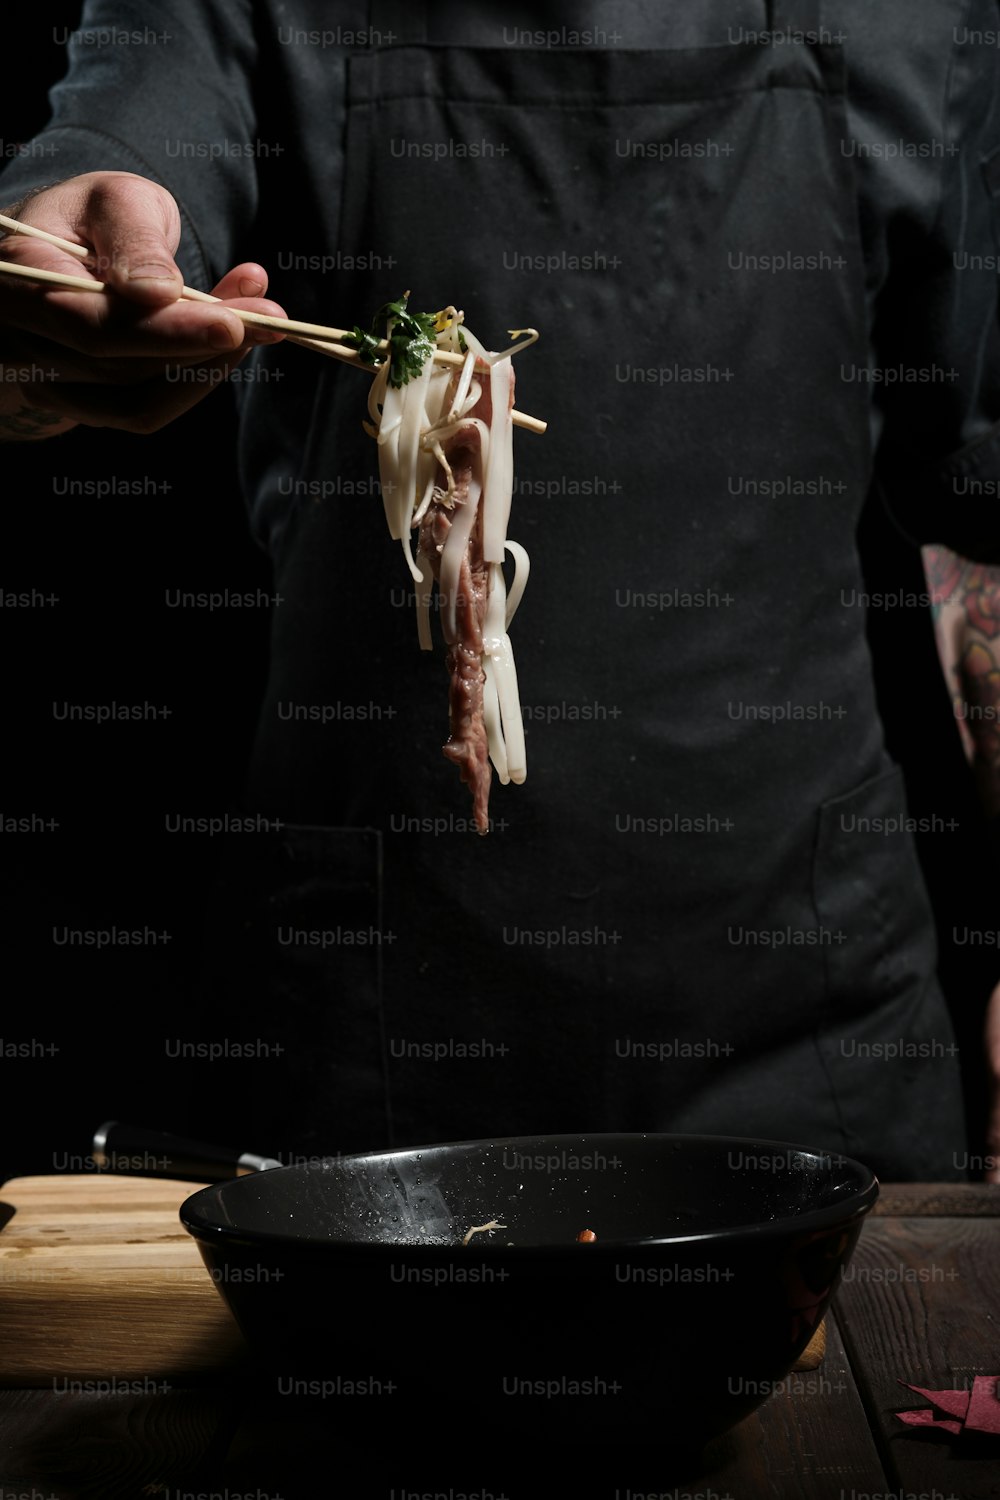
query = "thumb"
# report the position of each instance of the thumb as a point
(134, 226)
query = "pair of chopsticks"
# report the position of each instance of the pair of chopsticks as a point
(310, 335)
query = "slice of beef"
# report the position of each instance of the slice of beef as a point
(468, 744)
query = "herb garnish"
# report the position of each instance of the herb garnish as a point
(411, 341)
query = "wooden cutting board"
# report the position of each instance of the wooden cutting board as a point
(99, 1280)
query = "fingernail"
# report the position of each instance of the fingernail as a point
(249, 288)
(222, 336)
(152, 271)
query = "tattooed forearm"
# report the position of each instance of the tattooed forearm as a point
(979, 675)
(944, 576)
(978, 593)
(28, 423)
(972, 587)
(966, 602)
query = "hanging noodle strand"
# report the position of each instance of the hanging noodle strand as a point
(411, 422)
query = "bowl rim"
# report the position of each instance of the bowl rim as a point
(199, 1213)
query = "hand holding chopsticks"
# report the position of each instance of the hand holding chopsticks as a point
(134, 360)
(324, 339)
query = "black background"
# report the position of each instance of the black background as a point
(112, 638)
(111, 862)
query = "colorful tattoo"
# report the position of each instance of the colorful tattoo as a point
(944, 577)
(965, 598)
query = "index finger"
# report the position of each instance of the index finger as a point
(104, 324)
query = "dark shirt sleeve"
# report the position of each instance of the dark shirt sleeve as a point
(938, 329)
(165, 92)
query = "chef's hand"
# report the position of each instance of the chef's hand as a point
(991, 1038)
(69, 357)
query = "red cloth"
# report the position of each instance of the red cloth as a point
(977, 1410)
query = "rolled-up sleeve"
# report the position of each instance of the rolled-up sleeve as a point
(165, 92)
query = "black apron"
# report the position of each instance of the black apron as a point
(700, 912)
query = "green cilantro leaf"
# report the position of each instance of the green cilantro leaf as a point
(411, 341)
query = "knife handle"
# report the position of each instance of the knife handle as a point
(156, 1153)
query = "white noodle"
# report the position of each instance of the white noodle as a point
(502, 657)
(423, 597)
(497, 648)
(496, 488)
(456, 543)
(463, 385)
(491, 721)
(411, 422)
(388, 466)
(377, 393)
(521, 568)
(424, 506)
(415, 392)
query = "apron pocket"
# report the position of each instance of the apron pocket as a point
(884, 1033)
(869, 894)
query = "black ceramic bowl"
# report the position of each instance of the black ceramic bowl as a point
(714, 1262)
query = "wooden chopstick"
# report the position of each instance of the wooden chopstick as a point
(16, 227)
(317, 336)
(85, 284)
(258, 320)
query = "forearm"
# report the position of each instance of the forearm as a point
(966, 603)
(965, 598)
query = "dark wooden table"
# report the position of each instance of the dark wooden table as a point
(921, 1300)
